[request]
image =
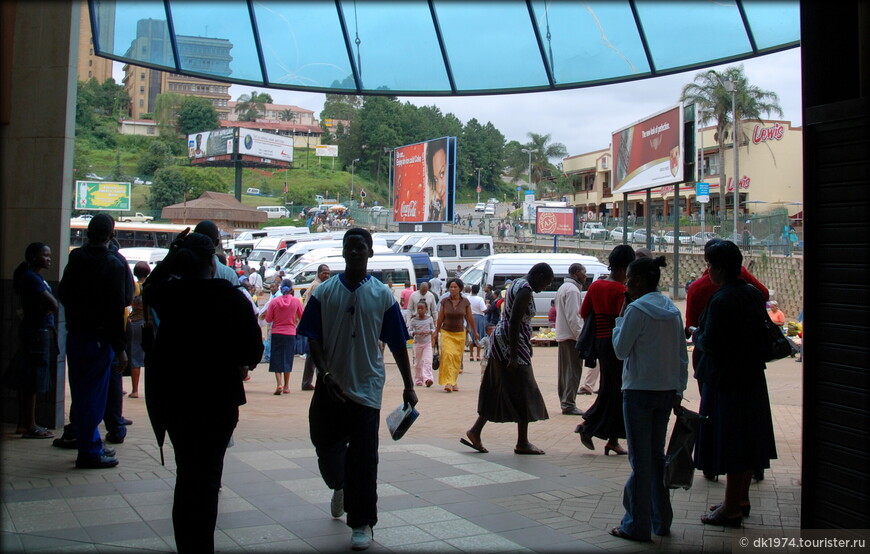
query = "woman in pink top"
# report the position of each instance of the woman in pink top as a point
(284, 312)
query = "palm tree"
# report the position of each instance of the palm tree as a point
(249, 106)
(287, 115)
(546, 151)
(708, 92)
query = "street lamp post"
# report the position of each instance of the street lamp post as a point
(529, 152)
(699, 116)
(351, 177)
(731, 86)
(478, 183)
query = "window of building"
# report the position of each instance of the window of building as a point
(141, 103)
(90, 74)
(92, 50)
(90, 63)
(712, 164)
(150, 130)
(142, 90)
(142, 76)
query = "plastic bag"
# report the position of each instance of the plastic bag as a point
(400, 420)
(679, 465)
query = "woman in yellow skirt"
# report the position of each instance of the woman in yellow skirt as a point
(454, 313)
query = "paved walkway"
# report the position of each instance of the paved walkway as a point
(435, 495)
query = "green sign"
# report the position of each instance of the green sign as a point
(102, 195)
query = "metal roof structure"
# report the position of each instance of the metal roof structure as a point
(438, 47)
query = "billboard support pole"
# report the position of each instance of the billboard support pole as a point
(555, 244)
(237, 164)
(676, 240)
(625, 239)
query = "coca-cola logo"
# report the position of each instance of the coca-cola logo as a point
(742, 183)
(761, 134)
(409, 209)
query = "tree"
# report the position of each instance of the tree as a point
(546, 150)
(166, 107)
(250, 106)
(287, 115)
(168, 188)
(196, 115)
(708, 92)
(159, 155)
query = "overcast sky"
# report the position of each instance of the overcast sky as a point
(583, 119)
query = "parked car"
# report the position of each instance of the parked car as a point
(639, 236)
(700, 239)
(685, 238)
(479, 207)
(739, 239)
(594, 230)
(138, 218)
(617, 233)
(377, 208)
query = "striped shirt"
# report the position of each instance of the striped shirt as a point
(500, 346)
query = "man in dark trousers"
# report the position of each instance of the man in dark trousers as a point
(95, 289)
(344, 320)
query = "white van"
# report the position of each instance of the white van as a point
(407, 241)
(391, 238)
(386, 268)
(456, 250)
(252, 190)
(274, 212)
(302, 248)
(496, 270)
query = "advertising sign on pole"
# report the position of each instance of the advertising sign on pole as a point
(424, 179)
(649, 153)
(103, 196)
(702, 192)
(208, 144)
(555, 221)
(326, 150)
(265, 145)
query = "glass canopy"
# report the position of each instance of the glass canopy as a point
(438, 47)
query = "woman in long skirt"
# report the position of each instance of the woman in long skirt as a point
(454, 314)
(509, 392)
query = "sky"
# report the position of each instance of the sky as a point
(583, 119)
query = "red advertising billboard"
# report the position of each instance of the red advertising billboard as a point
(424, 180)
(649, 153)
(555, 221)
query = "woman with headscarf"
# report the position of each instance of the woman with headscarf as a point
(178, 396)
(508, 391)
(604, 299)
(736, 434)
(284, 313)
(453, 315)
(31, 371)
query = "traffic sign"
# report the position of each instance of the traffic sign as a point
(362, 193)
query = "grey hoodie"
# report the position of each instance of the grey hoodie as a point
(651, 341)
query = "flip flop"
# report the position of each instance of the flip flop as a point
(618, 532)
(133, 395)
(478, 447)
(535, 452)
(38, 433)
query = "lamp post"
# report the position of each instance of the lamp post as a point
(529, 152)
(351, 177)
(478, 183)
(731, 86)
(699, 115)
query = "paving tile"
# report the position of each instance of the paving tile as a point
(396, 536)
(112, 533)
(430, 546)
(109, 516)
(85, 503)
(484, 543)
(502, 522)
(235, 520)
(425, 515)
(45, 522)
(260, 534)
(452, 529)
(38, 507)
(296, 546)
(322, 526)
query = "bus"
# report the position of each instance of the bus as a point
(130, 235)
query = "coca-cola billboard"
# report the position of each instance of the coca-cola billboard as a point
(649, 153)
(424, 178)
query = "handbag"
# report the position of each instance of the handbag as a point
(679, 465)
(586, 342)
(774, 346)
(436, 358)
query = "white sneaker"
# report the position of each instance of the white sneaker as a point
(336, 506)
(361, 538)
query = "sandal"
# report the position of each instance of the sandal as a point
(744, 508)
(618, 532)
(133, 395)
(38, 433)
(278, 391)
(286, 390)
(718, 518)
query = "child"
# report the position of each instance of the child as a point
(484, 347)
(421, 328)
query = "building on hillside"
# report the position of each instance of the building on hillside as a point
(89, 65)
(139, 127)
(275, 112)
(226, 212)
(204, 54)
(770, 159)
(304, 136)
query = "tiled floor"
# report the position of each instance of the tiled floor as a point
(434, 494)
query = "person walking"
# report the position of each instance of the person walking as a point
(568, 327)
(178, 396)
(423, 294)
(453, 315)
(284, 313)
(604, 299)
(309, 370)
(422, 327)
(135, 324)
(37, 350)
(648, 337)
(344, 320)
(508, 391)
(478, 309)
(95, 290)
(736, 434)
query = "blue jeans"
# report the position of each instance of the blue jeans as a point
(90, 364)
(646, 500)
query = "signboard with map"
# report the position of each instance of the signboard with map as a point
(102, 195)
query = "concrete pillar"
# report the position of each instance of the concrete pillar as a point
(36, 143)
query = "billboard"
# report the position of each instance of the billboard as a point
(102, 195)
(649, 153)
(208, 144)
(265, 145)
(555, 221)
(424, 179)
(326, 150)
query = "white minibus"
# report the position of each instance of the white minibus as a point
(456, 250)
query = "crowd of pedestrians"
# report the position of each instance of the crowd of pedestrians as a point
(194, 311)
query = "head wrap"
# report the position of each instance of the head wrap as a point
(286, 286)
